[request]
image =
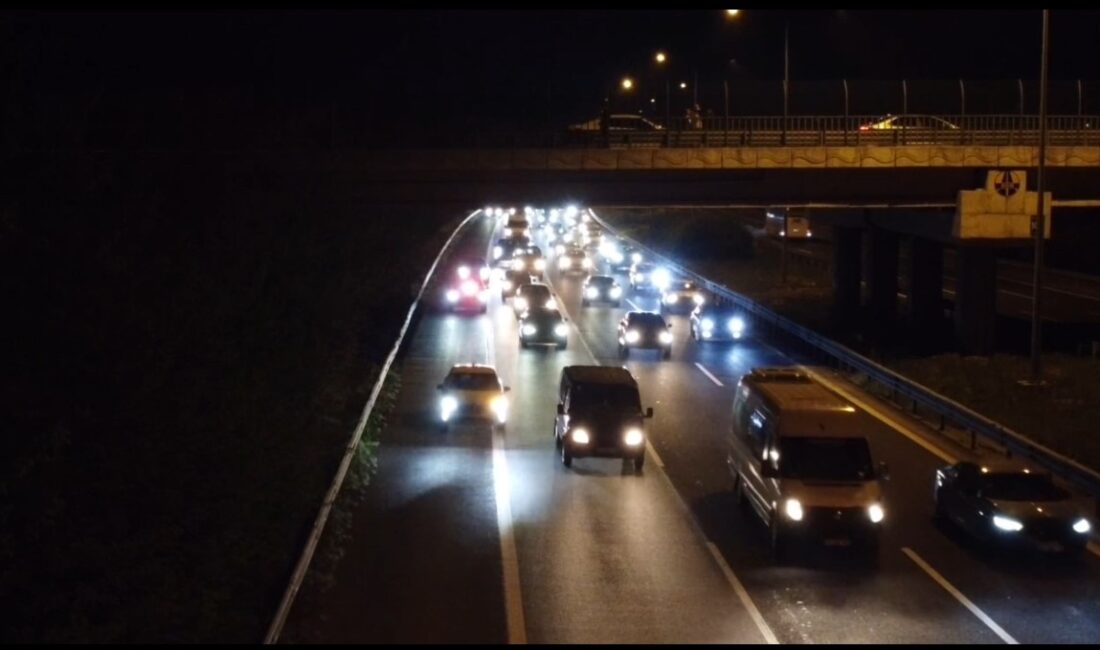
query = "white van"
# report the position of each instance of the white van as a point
(798, 457)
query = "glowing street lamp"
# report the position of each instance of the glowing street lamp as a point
(628, 83)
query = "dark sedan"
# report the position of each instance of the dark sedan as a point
(543, 327)
(1009, 503)
(646, 330)
(601, 288)
(717, 323)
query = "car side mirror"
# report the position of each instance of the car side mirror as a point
(649, 412)
(768, 470)
(561, 409)
(883, 471)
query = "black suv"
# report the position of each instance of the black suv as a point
(599, 414)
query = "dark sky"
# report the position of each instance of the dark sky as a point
(522, 67)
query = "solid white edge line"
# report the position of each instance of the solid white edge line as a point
(707, 373)
(275, 628)
(743, 594)
(502, 488)
(634, 304)
(990, 623)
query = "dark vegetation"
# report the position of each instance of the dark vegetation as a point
(189, 341)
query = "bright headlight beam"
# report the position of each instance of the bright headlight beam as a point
(1082, 526)
(1007, 524)
(591, 292)
(579, 436)
(561, 329)
(793, 509)
(632, 336)
(876, 513)
(530, 330)
(665, 337)
(633, 437)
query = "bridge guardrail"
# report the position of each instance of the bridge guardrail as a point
(801, 131)
(1081, 477)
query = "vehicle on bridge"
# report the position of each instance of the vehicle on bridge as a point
(471, 294)
(543, 327)
(533, 296)
(645, 330)
(619, 123)
(1006, 502)
(713, 322)
(601, 288)
(681, 297)
(473, 391)
(911, 129)
(799, 457)
(599, 413)
(789, 223)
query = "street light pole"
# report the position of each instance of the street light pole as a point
(786, 75)
(1037, 272)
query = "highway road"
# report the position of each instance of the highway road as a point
(475, 536)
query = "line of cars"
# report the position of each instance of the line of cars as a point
(796, 452)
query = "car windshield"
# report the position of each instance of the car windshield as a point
(644, 268)
(1021, 487)
(684, 286)
(544, 316)
(825, 459)
(718, 313)
(473, 381)
(600, 281)
(605, 397)
(645, 320)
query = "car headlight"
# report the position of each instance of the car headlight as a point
(633, 437)
(632, 336)
(529, 330)
(579, 436)
(665, 337)
(551, 304)
(876, 513)
(793, 509)
(698, 298)
(737, 325)
(497, 252)
(636, 258)
(1082, 526)
(520, 304)
(500, 408)
(639, 277)
(1007, 523)
(540, 264)
(708, 324)
(563, 262)
(452, 295)
(517, 265)
(469, 287)
(616, 292)
(586, 263)
(561, 329)
(591, 292)
(463, 272)
(671, 298)
(447, 406)
(661, 279)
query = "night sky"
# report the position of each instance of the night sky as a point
(529, 68)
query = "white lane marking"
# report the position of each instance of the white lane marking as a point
(509, 557)
(743, 594)
(738, 588)
(707, 373)
(990, 623)
(634, 305)
(892, 422)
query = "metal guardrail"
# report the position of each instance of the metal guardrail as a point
(277, 622)
(1083, 478)
(801, 131)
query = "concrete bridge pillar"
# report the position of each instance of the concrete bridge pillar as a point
(882, 279)
(926, 285)
(976, 299)
(847, 269)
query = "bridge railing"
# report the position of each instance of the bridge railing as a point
(838, 356)
(802, 131)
